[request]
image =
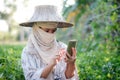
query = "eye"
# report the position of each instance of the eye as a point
(39, 27)
(46, 30)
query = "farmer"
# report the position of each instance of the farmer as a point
(45, 58)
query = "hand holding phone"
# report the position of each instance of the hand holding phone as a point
(72, 43)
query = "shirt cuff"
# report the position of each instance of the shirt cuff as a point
(73, 78)
(37, 74)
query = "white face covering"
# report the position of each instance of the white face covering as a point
(45, 43)
(44, 37)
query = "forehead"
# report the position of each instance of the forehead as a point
(48, 28)
(48, 25)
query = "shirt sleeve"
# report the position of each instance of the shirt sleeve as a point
(75, 77)
(63, 66)
(30, 69)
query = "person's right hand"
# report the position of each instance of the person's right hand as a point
(55, 60)
(50, 66)
(58, 57)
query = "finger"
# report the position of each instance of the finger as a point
(73, 52)
(59, 52)
(60, 55)
(57, 57)
(66, 60)
(70, 59)
(62, 52)
(68, 55)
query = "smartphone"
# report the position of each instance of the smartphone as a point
(72, 43)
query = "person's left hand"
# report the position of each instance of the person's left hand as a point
(71, 59)
(67, 57)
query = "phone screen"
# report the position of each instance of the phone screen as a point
(72, 43)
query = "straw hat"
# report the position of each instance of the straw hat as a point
(46, 14)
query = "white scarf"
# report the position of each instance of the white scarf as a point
(45, 43)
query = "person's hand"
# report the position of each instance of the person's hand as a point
(50, 66)
(55, 59)
(58, 57)
(71, 59)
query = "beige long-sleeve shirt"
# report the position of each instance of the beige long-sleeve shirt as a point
(33, 66)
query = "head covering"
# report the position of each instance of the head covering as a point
(44, 43)
(45, 14)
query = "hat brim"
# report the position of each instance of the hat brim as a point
(60, 24)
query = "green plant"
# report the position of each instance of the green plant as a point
(97, 30)
(10, 63)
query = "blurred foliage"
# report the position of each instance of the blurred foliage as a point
(7, 14)
(97, 29)
(10, 63)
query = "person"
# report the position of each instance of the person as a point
(45, 58)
